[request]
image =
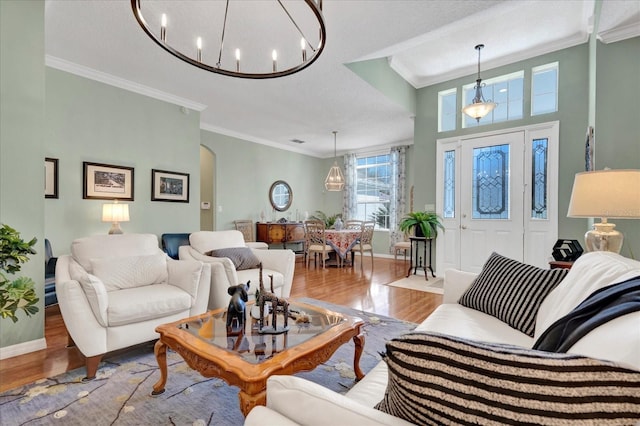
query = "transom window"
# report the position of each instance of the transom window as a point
(447, 110)
(374, 188)
(544, 89)
(506, 90)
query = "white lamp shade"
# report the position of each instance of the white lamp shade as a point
(115, 212)
(613, 194)
(479, 109)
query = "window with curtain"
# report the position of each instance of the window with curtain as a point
(373, 188)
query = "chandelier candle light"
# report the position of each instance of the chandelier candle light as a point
(181, 23)
(479, 106)
(607, 194)
(335, 178)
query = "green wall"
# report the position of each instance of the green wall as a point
(617, 139)
(91, 121)
(380, 75)
(244, 172)
(22, 92)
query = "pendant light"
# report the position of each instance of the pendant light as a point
(479, 107)
(335, 178)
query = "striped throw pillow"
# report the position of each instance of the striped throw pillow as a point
(436, 379)
(511, 291)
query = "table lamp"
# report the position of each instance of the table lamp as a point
(115, 213)
(607, 194)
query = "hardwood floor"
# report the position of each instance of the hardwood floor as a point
(365, 290)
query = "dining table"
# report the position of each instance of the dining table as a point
(342, 241)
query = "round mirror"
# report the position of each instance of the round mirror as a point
(280, 195)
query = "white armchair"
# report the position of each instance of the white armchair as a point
(114, 290)
(277, 262)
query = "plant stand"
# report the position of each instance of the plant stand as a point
(416, 260)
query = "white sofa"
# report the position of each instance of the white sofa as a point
(114, 290)
(277, 262)
(617, 340)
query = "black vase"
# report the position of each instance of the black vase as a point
(418, 231)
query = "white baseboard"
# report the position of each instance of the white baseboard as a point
(23, 348)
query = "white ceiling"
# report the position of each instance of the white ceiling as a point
(426, 41)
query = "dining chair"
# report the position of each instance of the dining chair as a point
(404, 245)
(248, 232)
(366, 242)
(353, 224)
(315, 241)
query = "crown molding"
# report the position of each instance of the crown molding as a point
(619, 33)
(249, 138)
(111, 80)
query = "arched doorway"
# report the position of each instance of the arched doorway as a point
(207, 189)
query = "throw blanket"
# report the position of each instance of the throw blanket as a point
(601, 306)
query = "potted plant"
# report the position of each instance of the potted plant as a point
(329, 221)
(19, 293)
(425, 224)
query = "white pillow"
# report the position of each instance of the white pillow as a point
(94, 290)
(186, 275)
(127, 272)
(589, 273)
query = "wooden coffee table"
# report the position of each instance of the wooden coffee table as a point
(245, 358)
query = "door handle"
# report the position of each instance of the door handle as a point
(464, 227)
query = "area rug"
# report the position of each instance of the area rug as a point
(417, 282)
(121, 392)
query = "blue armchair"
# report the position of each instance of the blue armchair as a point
(50, 297)
(172, 242)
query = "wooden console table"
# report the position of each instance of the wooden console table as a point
(285, 233)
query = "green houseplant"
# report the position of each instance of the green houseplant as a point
(425, 223)
(19, 293)
(329, 221)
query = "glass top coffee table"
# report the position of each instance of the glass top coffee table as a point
(243, 357)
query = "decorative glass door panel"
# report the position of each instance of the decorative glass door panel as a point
(449, 193)
(539, 178)
(490, 184)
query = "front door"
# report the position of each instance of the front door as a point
(497, 191)
(491, 199)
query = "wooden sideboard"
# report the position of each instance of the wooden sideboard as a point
(285, 233)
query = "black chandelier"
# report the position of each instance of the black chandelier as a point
(186, 29)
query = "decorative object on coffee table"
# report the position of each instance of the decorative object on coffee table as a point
(236, 308)
(276, 302)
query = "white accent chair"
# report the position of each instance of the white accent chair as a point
(114, 290)
(277, 262)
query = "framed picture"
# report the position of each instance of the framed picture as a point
(50, 178)
(107, 182)
(169, 186)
